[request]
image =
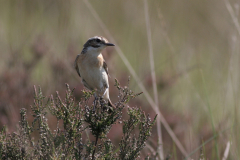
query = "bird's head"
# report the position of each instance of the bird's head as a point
(97, 44)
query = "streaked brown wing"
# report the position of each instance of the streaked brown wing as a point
(76, 65)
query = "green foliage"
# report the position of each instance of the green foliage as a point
(76, 119)
(130, 147)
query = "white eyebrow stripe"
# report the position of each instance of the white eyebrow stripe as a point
(99, 37)
(96, 37)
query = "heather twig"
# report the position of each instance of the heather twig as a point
(66, 142)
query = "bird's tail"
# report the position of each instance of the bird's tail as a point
(111, 104)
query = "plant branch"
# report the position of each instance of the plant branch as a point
(95, 147)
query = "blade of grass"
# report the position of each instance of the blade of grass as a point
(210, 113)
(207, 141)
(137, 79)
(153, 74)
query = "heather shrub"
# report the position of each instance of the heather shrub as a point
(76, 121)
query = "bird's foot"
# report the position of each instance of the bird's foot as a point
(95, 101)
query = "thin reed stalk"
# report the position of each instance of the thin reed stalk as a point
(153, 74)
(136, 78)
(226, 152)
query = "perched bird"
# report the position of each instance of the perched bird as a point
(92, 68)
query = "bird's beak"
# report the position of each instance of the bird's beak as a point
(109, 44)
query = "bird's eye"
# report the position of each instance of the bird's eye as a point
(98, 40)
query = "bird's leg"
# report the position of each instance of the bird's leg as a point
(95, 101)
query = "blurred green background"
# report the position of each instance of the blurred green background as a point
(196, 57)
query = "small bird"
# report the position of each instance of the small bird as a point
(92, 68)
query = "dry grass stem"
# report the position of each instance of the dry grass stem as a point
(136, 78)
(226, 152)
(153, 74)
